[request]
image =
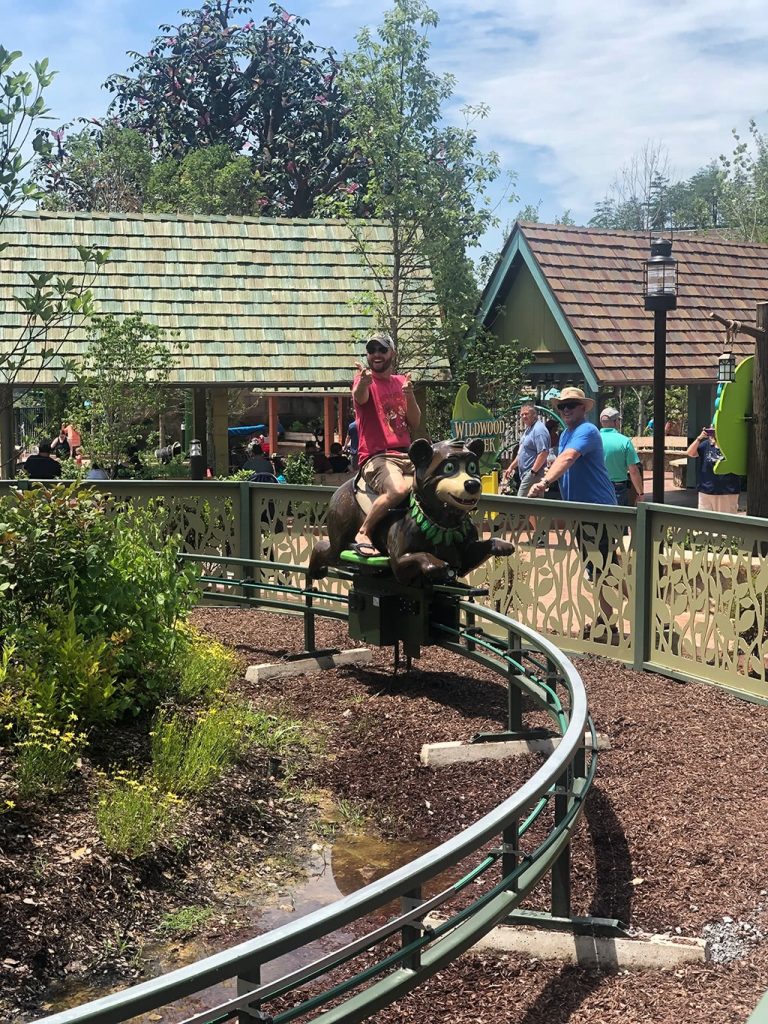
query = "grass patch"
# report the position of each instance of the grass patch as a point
(132, 816)
(351, 814)
(190, 754)
(185, 920)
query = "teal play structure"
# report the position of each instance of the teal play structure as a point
(437, 916)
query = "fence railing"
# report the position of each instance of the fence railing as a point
(671, 590)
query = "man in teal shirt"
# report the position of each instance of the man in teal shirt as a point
(620, 458)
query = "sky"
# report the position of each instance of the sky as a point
(574, 88)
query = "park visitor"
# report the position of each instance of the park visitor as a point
(338, 460)
(386, 412)
(42, 466)
(621, 460)
(531, 458)
(717, 492)
(351, 443)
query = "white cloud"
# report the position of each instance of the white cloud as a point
(575, 87)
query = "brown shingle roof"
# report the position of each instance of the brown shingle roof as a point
(597, 279)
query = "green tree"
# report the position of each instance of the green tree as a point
(52, 301)
(118, 386)
(97, 168)
(745, 185)
(263, 91)
(426, 180)
(212, 181)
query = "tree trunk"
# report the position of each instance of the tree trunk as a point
(757, 492)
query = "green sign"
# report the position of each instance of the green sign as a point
(731, 420)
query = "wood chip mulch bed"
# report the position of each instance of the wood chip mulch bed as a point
(673, 836)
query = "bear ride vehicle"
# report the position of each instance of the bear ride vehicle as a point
(430, 535)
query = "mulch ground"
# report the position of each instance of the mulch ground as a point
(673, 835)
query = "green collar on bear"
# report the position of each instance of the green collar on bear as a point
(434, 531)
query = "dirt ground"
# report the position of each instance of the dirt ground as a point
(673, 835)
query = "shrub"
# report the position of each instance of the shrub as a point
(47, 755)
(133, 815)
(72, 549)
(205, 666)
(298, 470)
(64, 674)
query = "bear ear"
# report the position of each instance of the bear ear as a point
(420, 452)
(477, 447)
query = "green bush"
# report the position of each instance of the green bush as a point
(298, 470)
(74, 560)
(62, 673)
(133, 815)
(205, 666)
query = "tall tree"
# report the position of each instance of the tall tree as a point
(745, 185)
(426, 180)
(261, 90)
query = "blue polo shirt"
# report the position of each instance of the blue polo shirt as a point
(587, 479)
(536, 439)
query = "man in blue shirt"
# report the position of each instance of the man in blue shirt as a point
(531, 458)
(580, 468)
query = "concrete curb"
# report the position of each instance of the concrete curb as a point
(305, 666)
(436, 755)
(643, 952)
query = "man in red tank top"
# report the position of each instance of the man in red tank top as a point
(386, 412)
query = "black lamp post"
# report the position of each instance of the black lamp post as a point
(660, 280)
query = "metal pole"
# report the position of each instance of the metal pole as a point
(659, 400)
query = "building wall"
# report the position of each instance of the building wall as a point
(526, 318)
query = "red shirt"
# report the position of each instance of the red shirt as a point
(381, 421)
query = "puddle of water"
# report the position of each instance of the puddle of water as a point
(352, 862)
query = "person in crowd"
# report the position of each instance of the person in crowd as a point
(351, 444)
(73, 437)
(60, 445)
(96, 472)
(580, 468)
(317, 457)
(257, 461)
(531, 458)
(42, 466)
(553, 427)
(338, 460)
(621, 459)
(717, 492)
(386, 412)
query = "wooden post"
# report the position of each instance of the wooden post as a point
(273, 415)
(7, 449)
(341, 422)
(328, 422)
(200, 420)
(757, 462)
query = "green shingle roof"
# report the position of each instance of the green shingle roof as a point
(258, 302)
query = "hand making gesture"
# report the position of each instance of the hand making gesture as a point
(366, 373)
(407, 385)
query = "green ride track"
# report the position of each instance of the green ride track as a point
(409, 947)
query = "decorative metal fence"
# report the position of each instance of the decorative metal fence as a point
(671, 590)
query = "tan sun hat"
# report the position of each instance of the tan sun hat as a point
(572, 395)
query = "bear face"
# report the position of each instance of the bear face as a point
(447, 478)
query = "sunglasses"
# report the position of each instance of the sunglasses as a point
(569, 405)
(374, 350)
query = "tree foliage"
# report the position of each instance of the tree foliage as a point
(263, 91)
(426, 180)
(118, 385)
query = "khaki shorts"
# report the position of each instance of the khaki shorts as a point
(385, 472)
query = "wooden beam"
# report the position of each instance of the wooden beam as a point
(328, 422)
(273, 416)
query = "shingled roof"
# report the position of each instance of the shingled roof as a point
(259, 302)
(595, 280)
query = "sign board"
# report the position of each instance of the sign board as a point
(731, 421)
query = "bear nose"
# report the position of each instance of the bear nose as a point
(472, 486)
